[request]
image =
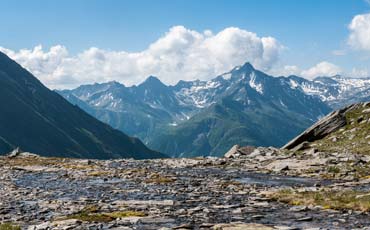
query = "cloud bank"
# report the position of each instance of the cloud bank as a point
(181, 53)
(323, 68)
(359, 37)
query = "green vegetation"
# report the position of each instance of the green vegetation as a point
(333, 169)
(354, 137)
(8, 226)
(328, 199)
(32, 161)
(93, 214)
(216, 129)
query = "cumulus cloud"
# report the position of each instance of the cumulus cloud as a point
(181, 53)
(322, 69)
(359, 32)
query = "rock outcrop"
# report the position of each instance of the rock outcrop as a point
(329, 124)
(237, 151)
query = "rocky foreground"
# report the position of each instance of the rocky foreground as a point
(320, 184)
(204, 193)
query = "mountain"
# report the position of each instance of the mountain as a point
(194, 118)
(39, 120)
(244, 106)
(336, 91)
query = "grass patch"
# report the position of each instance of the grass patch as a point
(66, 163)
(8, 226)
(33, 161)
(91, 217)
(122, 214)
(328, 199)
(93, 213)
(333, 169)
(352, 137)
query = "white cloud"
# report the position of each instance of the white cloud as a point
(179, 54)
(291, 70)
(359, 32)
(360, 73)
(321, 69)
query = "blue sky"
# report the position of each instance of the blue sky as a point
(309, 31)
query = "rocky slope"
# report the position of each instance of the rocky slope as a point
(198, 118)
(347, 129)
(337, 146)
(39, 120)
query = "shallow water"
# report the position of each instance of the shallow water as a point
(281, 181)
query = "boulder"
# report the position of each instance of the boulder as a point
(302, 146)
(16, 152)
(232, 152)
(237, 151)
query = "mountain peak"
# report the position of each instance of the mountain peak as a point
(114, 84)
(153, 81)
(241, 71)
(247, 67)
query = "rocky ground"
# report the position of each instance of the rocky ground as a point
(323, 183)
(203, 193)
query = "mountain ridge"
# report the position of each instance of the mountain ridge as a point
(243, 94)
(39, 120)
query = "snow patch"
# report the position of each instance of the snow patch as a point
(199, 94)
(293, 84)
(226, 76)
(252, 82)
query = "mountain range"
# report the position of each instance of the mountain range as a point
(196, 118)
(336, 91)
(39, 120)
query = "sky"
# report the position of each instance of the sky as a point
(72, 42)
